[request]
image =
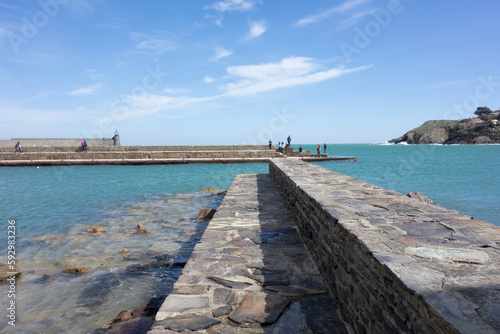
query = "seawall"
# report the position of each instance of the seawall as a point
(146, 155)
(392, 263)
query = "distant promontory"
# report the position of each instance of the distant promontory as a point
(483, 129)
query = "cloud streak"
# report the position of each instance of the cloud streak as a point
(221, 53)
(234, 5)
(326, 13)
(88, 90)
(247, 80)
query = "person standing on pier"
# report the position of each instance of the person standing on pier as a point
(289, 140)
(324, 147)
(270, 143)
(319, 150)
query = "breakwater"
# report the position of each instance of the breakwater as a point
(392, 264)
(147, 155)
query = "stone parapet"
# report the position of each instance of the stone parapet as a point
(76, 147)
(394, 264)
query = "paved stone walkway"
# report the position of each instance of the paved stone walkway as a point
(250, 273)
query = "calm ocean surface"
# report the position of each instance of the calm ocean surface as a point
(52, 207)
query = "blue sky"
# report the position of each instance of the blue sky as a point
(243, 71)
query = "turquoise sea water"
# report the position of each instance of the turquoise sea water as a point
(52, 206)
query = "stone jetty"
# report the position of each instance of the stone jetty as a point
(307, 250)
(148, 155)
(250, 273)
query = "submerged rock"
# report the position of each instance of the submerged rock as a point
(75, 270)
(7, 272)
(141, 229)
(94, 229)
(124, 251)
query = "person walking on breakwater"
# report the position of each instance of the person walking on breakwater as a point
(324, 148)
(319, 150)
(84, 144)
(289, 140)
(270, 143)
(300, 150)
(17, 147)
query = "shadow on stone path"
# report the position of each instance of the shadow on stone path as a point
(250, 273)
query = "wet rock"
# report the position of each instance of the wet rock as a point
(6, 272)
(155, 264)
(75, 270)
(141, 229)
(420, 197)
(94, 229)
(209, 190)
(123, 316)
(262, 308)
(205, 214)
(124, 251)
(134, 325)
(46, 277)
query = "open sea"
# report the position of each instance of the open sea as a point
(53, 206)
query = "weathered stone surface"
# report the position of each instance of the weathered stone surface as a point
(262, 308)
(250, 247)
(420, 197)
(181, 303)
(393, 264)
(187, 323)
(229, 283)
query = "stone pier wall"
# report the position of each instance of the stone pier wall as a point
(53, 142)
(392, 263)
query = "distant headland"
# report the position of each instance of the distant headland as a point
(482, 129)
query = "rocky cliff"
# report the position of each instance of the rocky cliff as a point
(450, 132)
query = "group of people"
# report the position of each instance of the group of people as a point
(281, 145)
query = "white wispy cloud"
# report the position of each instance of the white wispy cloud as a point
(257, 28)
(246, 80)
(220, 7)
(233, 5)
(87, 90)
(145, 42)
(326, 13)
(94, 74)
(292, 71)
(221, 53)
(208, 79)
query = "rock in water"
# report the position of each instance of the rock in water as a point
(205, 214)
(94, 229)
(75, 270)
(7, 272)
(124, 251)
(209, 190)
(141, 229)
